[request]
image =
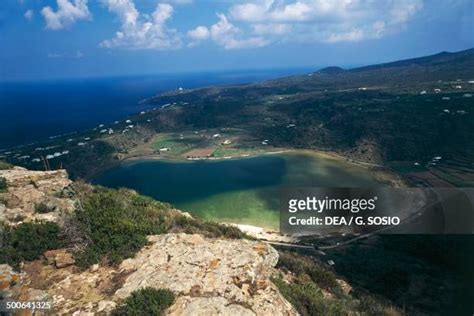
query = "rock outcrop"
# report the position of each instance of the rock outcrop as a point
(27, 189)
(209, 276)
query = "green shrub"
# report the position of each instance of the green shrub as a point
(4, 165)
(42, 208)
(147, 301)
(114, 224)
(28, 241)
(207, 228)
(310, 276)
(19, 218)
(308, 298)
(299, 264)
(3, 184)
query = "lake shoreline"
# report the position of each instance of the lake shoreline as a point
(387, 175)
(245, 187)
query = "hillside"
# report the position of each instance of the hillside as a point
(399, 115)
(85, 249)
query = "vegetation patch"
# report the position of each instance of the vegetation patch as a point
(175, 143)
(3, 185)
(207, 228)
(412, 271)
(28, 241)
(308, 298)
(299, 265)
(113, 224)
(43, 208)
(146, 301)
(5, 165)
(313, 290)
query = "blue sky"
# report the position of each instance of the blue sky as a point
(80, 38)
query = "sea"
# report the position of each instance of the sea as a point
(32, 111)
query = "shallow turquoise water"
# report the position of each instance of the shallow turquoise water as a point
(237, 190)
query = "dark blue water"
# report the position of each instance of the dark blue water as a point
(34, 111)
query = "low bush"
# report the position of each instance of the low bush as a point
(116, 223)
(307, 297)
(113, 224)
(3, 184)
(19, 218)
(28, 241)
(146, 301)
(207, 228)
(5, 165)
(43, 208)
(305, 291)
(299, 264)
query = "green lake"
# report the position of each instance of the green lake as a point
(244, 190)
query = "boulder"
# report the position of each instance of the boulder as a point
(64, 259)
(59, 257)
(207, 274)
(8, 280)
(27, 189)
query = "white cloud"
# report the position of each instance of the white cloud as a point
(66, 14)
(29, 15)
(227, 35)
(324, 20)
(352, 36)
(75, 55)
(199, 33)
(142, 31)
(272, 28)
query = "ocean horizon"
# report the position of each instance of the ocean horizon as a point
(34, 111)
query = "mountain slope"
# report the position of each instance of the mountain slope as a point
(407, 111)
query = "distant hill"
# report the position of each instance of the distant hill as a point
(397, 111)
(330, 70)
(440, 59)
